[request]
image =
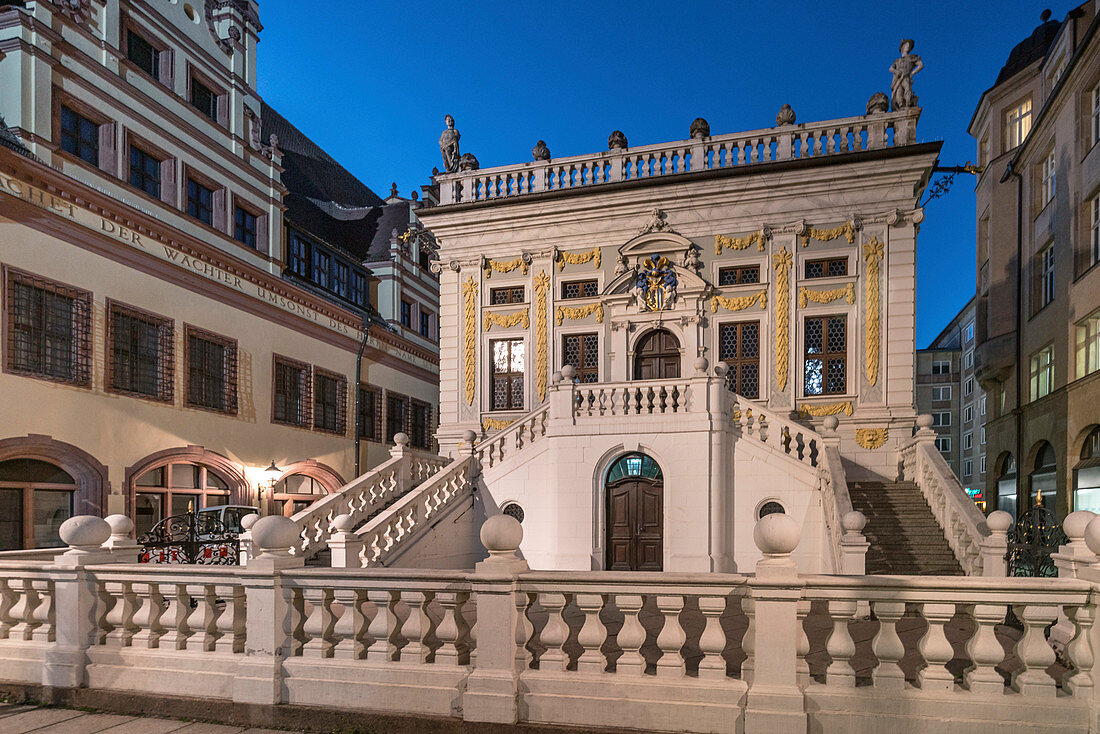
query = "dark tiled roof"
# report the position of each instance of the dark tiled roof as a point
(394, 216)
(1030, 50)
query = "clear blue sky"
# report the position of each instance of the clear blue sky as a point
(371, 81)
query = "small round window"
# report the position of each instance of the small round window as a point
(513, 510)
(770, 508)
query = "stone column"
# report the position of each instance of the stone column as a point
(774, 702)
(400, 450)
(721, 459)
(853, 546)
(74, 600)
(994, 547)
(492, 690)
(267, 612)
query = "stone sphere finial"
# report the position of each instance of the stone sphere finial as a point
(924, 420)
(249, 520)
(831, 422)
(568, 372)
(501, 535)
(616, 140)
(1092, 535)
(401, 439)
(776, 534)
(343, 523)
(721, 369)
(700, 128)
(121, 526)
(1075, 524)
(84, 532)
(853, 521)
(701, 365)
(469, 437)
(556, 377)
(786, 116)
(275, 534)
(998, 521)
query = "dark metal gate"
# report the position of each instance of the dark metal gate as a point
(190, 538)
(1032, 540)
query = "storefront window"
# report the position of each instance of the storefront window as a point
(175, 489)
(1086, 490)
(35, 498)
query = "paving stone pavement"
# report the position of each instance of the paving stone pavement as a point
(23, 719)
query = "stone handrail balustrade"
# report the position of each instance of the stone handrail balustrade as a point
(793, 440)
(788, 142)
(963, 523)
(636, 398)
(506, 443)
(412, 515)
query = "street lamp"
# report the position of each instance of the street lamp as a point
(271, 475)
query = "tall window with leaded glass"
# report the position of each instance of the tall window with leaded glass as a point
(826, 355)
(739, 348)
(583, 352)
(509, 360)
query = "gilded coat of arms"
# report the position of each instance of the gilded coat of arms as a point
(656, 284)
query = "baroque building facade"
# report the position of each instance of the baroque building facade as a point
(660, 334)
(166, 333)
(1038, 287)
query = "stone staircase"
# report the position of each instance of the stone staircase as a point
(904, 535)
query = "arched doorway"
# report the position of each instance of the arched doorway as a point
(1044, 478)
(657, 356)
(35, 498)
(1086, 474)
(1006, 484)
(301, 484)
(635, 514)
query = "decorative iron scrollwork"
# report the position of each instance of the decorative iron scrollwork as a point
(199, 538)
(1031, 541)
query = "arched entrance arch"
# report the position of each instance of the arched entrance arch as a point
(301, 484)
(1086, 473)
(634, 491)
(657, 356)
(1006, 483)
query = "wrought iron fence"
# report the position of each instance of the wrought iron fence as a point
(199, 538)
(1032, 540)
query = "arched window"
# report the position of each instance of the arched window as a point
(634, 465)
(1006, 484)
(174, 489)
(296, 492)
(35, 498)
(1044, 477)
(1086, 475)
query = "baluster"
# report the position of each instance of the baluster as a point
(748, 643)
(632, 635)
(317, 611)
(43, 613)
(802, 643)
(382, 625)
(592, 634)
(936, 650)
(984, 649)
(230, 623)
(416, 627)
(23, 611)
(350, 627)
(8, 600)
(524, 631)
(555, 633)
(1080, 653)
(888, 647)
(121, 614)
(202, 619)
(1034, 651)
(712, 641)
(840, 645)
(448, 631)
(174, 618)
(143, 627)
(671, 638)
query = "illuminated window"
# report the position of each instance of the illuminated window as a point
(1042, 372)
(1017, 124)
(1047, 175)
(826, 355)
(1088, 345)
(508, 374)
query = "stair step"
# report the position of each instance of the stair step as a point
(904, 535)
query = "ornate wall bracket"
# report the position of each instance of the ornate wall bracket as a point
(506, 321)
(820, 411)
(579, 258)
(848, 230)
(872, 438)
(469, 292)
(542, 285)
(782, 261)
(722, 242)
(848, 292)
(495, 424)
(740, 303)
(574, 313)
(506, 266)
(872, 255)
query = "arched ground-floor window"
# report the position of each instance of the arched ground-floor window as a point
(1044, 478)
(302, 484)
(178, 481)
(1006, 484)
(1086, 474)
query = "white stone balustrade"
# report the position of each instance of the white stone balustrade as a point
(505, 444)
(637, 398)
(789, 142)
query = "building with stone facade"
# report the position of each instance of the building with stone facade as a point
(1038, 288)
(184, 289)
(648, 342)
(948, 391)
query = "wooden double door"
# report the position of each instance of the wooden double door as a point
(657, 356)
(635, 525)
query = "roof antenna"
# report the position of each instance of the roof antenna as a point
(1044, 16)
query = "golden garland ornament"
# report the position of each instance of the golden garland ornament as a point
(782, 261)
(820, 411)
(507, 321)
(872, 438)
(580, 312)
(848, 293)
(579, 258)
(722, 241)
(504, 266)
(740, 303)
(494, 424)
(542, 285)
(872, 253)
(848, 229)
(469, 291)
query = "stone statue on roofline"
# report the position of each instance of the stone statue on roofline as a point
(448, 145)
(904, 68)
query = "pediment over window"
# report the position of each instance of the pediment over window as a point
(671, 245)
